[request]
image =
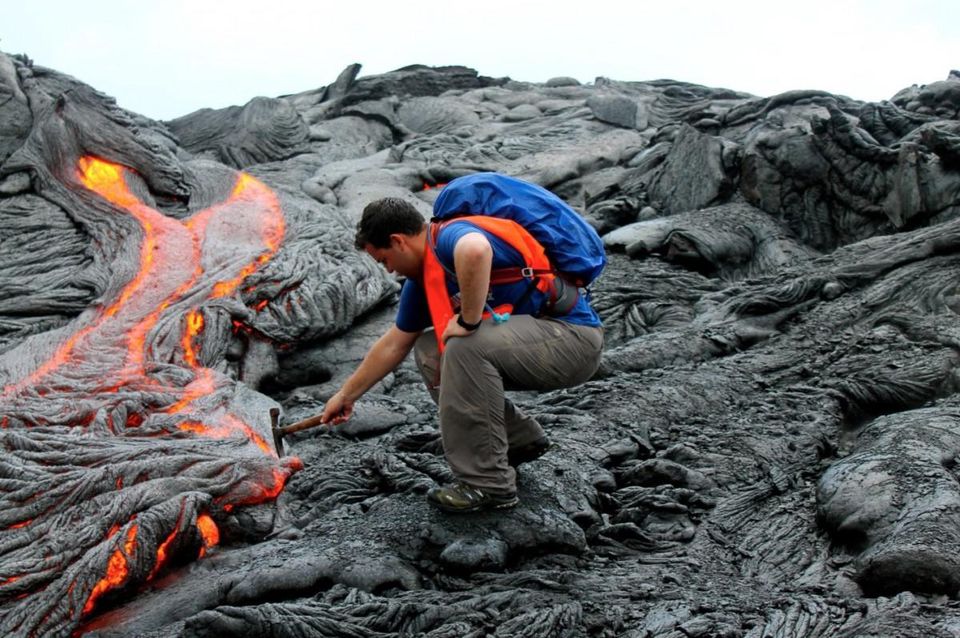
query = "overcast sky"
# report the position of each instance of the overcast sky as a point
(165, 59)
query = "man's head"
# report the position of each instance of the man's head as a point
(393, 232)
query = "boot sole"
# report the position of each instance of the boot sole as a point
(479, 507)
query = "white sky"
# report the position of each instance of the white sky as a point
(168, 58)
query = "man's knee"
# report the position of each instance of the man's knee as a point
(466, 348)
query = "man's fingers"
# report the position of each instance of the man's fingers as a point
(340, 417)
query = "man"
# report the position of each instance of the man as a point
(474, 354)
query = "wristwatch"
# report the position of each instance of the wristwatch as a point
(468, 326)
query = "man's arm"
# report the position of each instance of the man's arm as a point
(472, 260)
(385, 355)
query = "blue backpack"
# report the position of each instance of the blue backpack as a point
(572, 245)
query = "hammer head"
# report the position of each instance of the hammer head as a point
(277, 432)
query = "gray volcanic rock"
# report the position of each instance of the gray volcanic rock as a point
(898, 493)
(430, 115)
(264, 130)
(15, 117)
(938, 99)
(562, 80)
(416, 81)
(714, 161)
(732, 242)
(614, 109)
(769, 448)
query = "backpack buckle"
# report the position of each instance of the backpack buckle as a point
(527, 272)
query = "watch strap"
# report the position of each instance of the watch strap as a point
(468, 326)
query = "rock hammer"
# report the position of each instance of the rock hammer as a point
(281, 431)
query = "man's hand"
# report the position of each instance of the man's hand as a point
(385, 355)
(337, 410)
(454, 329)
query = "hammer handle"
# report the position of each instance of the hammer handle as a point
(306, 424)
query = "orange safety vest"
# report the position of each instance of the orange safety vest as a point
(537, 267)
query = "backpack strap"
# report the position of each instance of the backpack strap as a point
(513, 275)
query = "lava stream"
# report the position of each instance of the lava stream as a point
(181, 265)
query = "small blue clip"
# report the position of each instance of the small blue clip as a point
(497, 317)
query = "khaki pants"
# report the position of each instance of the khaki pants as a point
(477, 423)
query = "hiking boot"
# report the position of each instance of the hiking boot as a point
(529, 452)
(460, 497)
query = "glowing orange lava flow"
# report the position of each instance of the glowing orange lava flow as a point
(163, 553)
(209, 532)
(117, 570)
(272, 234)
(194, 327)
(247, 228)
(181, 265)
(172, 266)
(231, 425)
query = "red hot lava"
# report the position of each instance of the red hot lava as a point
(181, 265)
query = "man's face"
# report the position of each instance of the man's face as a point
(400, 257)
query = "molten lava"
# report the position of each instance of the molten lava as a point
(170, 269)
(163, 553)
(117, 570)
(209, 532)
(181, 266)
(194, 327)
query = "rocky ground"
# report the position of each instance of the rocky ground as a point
(769, 449)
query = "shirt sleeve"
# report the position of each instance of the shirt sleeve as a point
(447, 240)
(413, 314)
(504, 255)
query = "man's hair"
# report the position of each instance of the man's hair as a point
(385, 217)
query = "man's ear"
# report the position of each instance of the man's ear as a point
(398, 240)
